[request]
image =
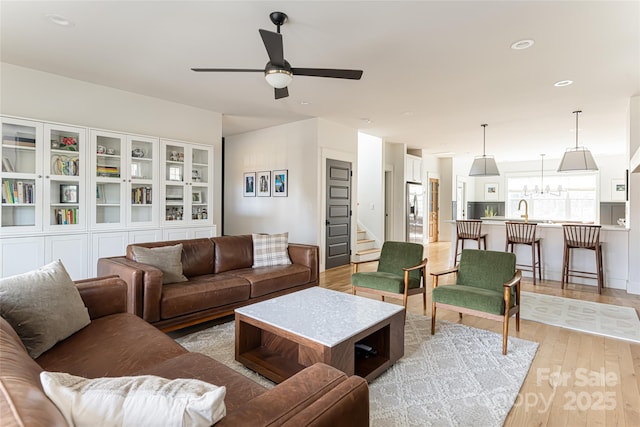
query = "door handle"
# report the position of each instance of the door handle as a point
(327, 222)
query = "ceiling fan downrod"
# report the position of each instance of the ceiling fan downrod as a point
(278, 18)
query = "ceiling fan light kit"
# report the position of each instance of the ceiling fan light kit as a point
(278, 72)
(577, 158)
(484, 165)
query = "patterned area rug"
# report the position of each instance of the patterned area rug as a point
(457, 377)
(585, 316)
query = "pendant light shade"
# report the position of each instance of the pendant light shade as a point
(484, 165)
(578, 158)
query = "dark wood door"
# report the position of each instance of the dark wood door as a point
(338, 224)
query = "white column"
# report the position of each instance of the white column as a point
(633, 216)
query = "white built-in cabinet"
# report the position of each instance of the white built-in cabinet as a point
(79, 194)
(413, 168)
(186, 189)
(124, 176)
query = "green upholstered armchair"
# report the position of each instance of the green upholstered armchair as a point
(486, 283)
(401, 272)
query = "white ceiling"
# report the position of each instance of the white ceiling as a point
(433, 71)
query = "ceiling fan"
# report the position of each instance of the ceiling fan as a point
(278, 72)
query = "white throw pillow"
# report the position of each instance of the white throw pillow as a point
(270, 249)
(166, 258)
(43, 307)
(145, 400)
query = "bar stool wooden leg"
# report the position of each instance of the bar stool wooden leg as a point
(539, 263)
(599, 267)
(564, 266)
(533, 262)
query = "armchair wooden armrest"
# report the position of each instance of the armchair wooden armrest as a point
(436, 275)
(422, 264)
(357, 263)
(514, 280)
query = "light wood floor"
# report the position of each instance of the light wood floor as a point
(597, 379)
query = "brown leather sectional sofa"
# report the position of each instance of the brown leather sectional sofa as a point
(117, 343)
(220, 280)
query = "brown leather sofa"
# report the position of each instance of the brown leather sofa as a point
(117, 343)
(220, 280)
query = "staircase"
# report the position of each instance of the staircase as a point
(366, 248)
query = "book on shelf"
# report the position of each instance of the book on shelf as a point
(17, 192)
(7, 166)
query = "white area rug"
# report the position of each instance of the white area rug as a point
(585, 316)
(457, 377)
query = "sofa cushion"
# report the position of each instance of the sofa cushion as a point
(265, 280)
(134, 401)
(43, 306)
(270, 249)
(201, 293)
(166, 258)
(111, 346)
(240, 389)
(232, 252)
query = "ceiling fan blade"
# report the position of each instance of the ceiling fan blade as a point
(328, 72)
(273, 44)
(235, 70)
(281, 93)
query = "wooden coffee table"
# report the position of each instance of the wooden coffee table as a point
(279, 337)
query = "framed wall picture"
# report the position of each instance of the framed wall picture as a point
(249, 184)
(68, 193)
(280, 183)
(491, 191)
(263, 183)
(196, 197)
(618, 190)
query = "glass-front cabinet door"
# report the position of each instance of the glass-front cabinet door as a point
(107, 166)
(21, 176)
(142, 181)
(64, 162)
(186, 183)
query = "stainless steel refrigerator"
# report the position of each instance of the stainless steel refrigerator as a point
(415, 212)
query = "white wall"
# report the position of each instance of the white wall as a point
(394, 161)
(370, 196)
(290, 146)
(633, 217)
(43, 96)
(447, 194)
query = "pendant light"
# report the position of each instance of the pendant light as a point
(484, 165)
(578, 158)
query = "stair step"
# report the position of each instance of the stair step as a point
(364, 241)
(367, 251)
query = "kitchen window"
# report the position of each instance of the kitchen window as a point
(557, 198)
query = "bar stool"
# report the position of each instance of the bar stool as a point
(520, 233)
(582, 237)
(469, 229)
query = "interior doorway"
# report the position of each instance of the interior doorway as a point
(338, 222)
(434, 209)
(388, 204)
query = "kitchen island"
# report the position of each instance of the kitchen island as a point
(615, 251)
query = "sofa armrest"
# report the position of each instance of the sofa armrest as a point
(318, 395)
(103, 295)
(144, 285)
(307, 255)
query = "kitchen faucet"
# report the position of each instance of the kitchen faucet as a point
(526, 210)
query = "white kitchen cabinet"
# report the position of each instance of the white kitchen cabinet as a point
(413, 168)
(21, 254)
(72, 250)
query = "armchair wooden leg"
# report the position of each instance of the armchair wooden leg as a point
(353, 290)
(505, 334)
(433, 318)
(424, 301)
(518, 321)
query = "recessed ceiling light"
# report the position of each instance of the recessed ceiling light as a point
(522, 44)
(563, 83)
(59, 20)
(304, 103)
(407, 113)
(366, 120)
